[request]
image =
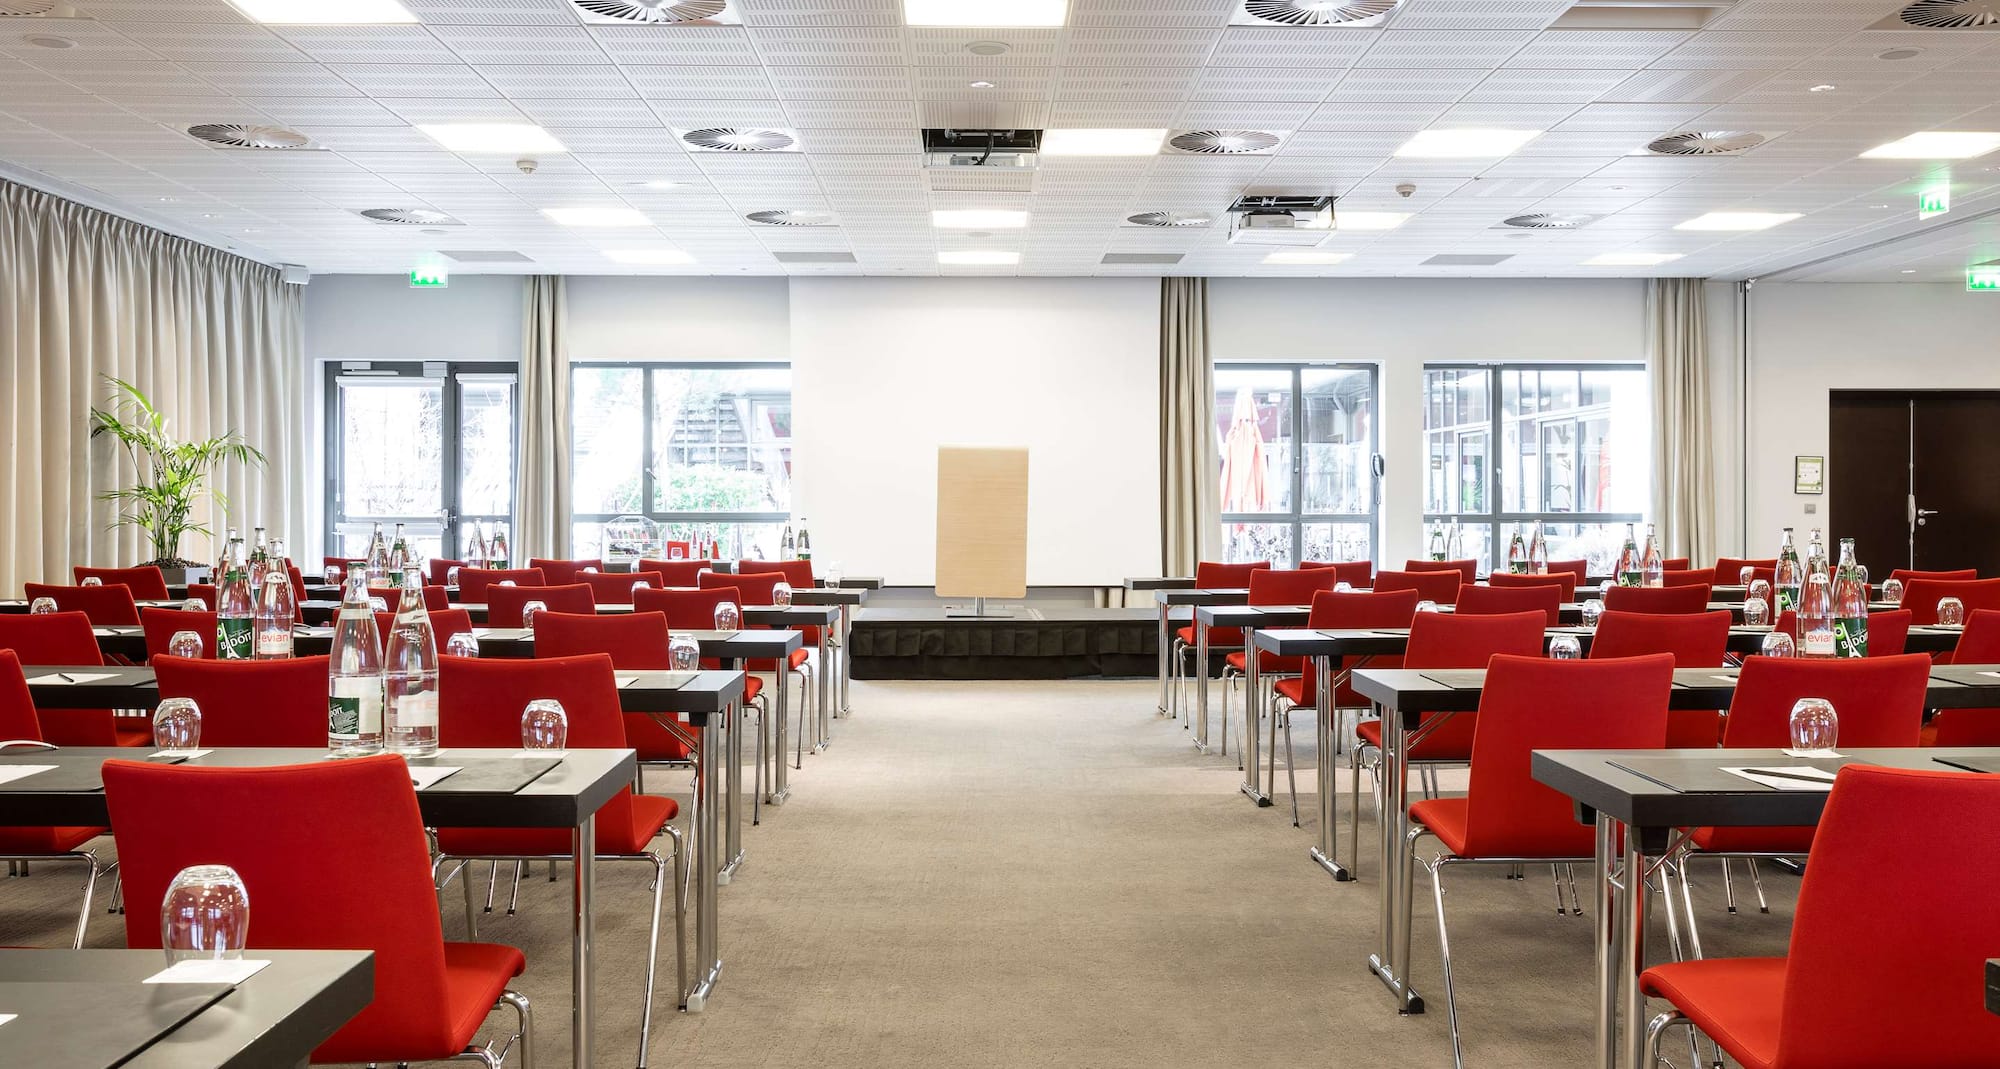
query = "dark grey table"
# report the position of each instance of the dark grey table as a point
(1251, 619)
(276, 1017)
(1166, 600)
(850, 599)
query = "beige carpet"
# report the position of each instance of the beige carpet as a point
(1038, 874)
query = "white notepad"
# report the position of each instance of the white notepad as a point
(1786, 783)
(59, 679)
(424, 776)
(207, 971)
(10, 773)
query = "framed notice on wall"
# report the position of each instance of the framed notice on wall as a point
(1808, 475)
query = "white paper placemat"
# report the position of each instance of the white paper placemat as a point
(207, 971)
(10, 773)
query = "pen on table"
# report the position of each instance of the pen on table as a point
(64, 677)
(1782, 774)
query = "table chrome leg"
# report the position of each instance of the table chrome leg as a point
(707, 845)
(731, 773)
(1326, 852)
(1607, 944)
(780, 772)
(823, 673)
(1632, 948)
(1166, 640)
(1391, 959)
(583, 980)
(1200, 685)
(1253, 705)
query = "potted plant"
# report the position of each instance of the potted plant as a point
(173, 475)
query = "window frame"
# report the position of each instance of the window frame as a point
(1297, 518)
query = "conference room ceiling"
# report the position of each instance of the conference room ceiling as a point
(101, 102)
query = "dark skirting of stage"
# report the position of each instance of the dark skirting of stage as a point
(1059, 642)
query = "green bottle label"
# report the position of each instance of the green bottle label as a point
(1630, 578)
(343, 717)
(1850, 637)
(1787, 599)
(232, 639)
(395, 578)
(1519, 567)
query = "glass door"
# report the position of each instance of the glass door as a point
(1297, 445)
(426, 445)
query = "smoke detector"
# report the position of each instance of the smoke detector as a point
(1704, 142)
(741, 139)
(1170, 219)
(1225, 142)
(1951, 15)
(410, 217)
(786, 217)
(1311, 12)
(247, 135)
(1547, 221)
(649, 12)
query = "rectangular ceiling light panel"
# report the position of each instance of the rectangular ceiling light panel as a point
(985, 12)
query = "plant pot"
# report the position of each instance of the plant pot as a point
(198, 573)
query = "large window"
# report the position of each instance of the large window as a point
(697, 448)
(1297, 444)
(1568, 446)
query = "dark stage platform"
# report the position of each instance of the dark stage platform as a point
(1061, 642)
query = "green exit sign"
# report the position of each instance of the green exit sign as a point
(1979, 279)
(1933, 201)
(429, 278)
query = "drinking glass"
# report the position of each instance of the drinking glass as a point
(177, 723)
(1815, 726)
(205, 915)
(1593, 610)
(1951, 612)
(728, 617)
(1565, 648)
(184, 644)
(530, 611)
(684, 653)
(781, 595)
(378, 604)
(676, 553)
(544, 725)
(451, 576)
(92, 580)
(1343, 587)
(331, 575)
(1892, 591)
(589, 569)
(1756, 612)
(833, 573)
(1778, 644)
(42, 606)
(506, 582)
(1427, 606)
(1747, 574)
(1761, 590)
(462, 644)
(194, 605)
(638, 586)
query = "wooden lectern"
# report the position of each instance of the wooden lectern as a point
(982, 525)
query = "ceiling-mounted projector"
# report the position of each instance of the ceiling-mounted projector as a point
(1284, 220)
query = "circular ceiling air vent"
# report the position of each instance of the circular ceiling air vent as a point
(410, 217)
(786, 217)
(1952, 14)
(1316, 12)
(1170, 219)
(245, 135)
(730, 139)
(1224, 142)
(1547, 221)
(1704, 142)
(652, 11)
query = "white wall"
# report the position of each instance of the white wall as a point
(379, 317)
(886, 370)
(678, 318)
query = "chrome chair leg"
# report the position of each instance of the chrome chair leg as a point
(1575, 904)
(526, 1023)
(514, 896)
(1436, 867)
(763, 772)
(681, 868)
(1656, 1030)
(1757, 884)
(660, 878)
(1728, 887)
(89, 890)
(492, 884)
(1291, 765)
(1555, 873)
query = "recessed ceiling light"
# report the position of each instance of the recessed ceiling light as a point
(978, 219)
(1631, 259)
(324, 12)
(1464, 144)
(208, 215)
(980, 85)
(1823, 87)
(1878, 207)
(1301, 256)
(168, 200)
(1909, 270)
(1102, 142)
(985, 12)
(1368, 220)
(655, 183)
(598, 216)
(1737, 221)
(979, 258)
(648, 256)
(1936, 145)
(497, 137)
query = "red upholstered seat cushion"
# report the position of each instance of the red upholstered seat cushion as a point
(1446, 819)
(1442, 744)
(1268, 662)
(474, 976)
(649, 814)
(1292, 690)
(1735, 1001)
(1754, 840)
(1218, 637)
(18, 841)
(1450, 818)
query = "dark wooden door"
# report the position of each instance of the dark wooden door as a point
(1928, 456)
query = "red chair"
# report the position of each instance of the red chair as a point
(1209, 575)
(65, 638)
(1506, 817)
(683, 547)
(444, 624)
(1578, 568)
(343, 563)
(565, 572)
(202, 592)
(1904, 575)
(105, 605)
(1888, 632)
(755, 589)
(317, 884)
(1921, 596)
(252, 703)
(1440, 586)
(504, 603)
(799, 573)
(1332, 611)
(686, 610)
(1216, 575)
(1656, 599)
(438, 570)
(633, 641)
(1675, 564)
(480, 703)
(298, 584)
(615, 588)
(1563, 581)
(161, 625)
(436, 599)
(20, 730)
(473, 583)
(1688, 577)
(147, 582)
(1468, 570)
(1545, 598)
(1863, 985)
(1357, 574)
(1694, 640)
(1729, 570)
(1978, 644)
(674, 573)
(1273, 586)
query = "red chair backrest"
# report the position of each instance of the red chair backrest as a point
(1439, 586)
(161, 625)
(1533, 703)
(1729, 570)
(438, 569)
(674, 572)
(504, 603)
(444, 624)
(436, 599)
(480, 702)
(1468, 570)
(564, 572)
(1578, 568)
(1978, 644)
(474, 583)
(1867, 986)
(343, 563)
(670, 547)
(51, 638)
(1879, 700)
(1656, 599)
(290, 833)
(753, 589)
(799, 573)
(1921, 596)
(251, 703)
(1333, 610)
(1355, 573)
(1215, 575)
(687, 610)
(1675, 564)
(615, 588)
(298, 584)
(1545, 598)
(202, 592)
(148, 583)
(1688, 577)
(1693, 640)
(18, 721)
(1448, 640)
(1904, 575)
(111, 603)
(1561, 580)
(1275, 586)
(1888, 632)
(632, 640)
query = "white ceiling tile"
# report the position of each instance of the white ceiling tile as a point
(1596, 49)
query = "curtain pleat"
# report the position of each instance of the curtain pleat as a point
(1190, 509)
(1683, 450)
(216, 341)
(542, 489)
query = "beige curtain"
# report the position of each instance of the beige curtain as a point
(1190, 515)
(542, 477)
(1683, 452)
(215, 340)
